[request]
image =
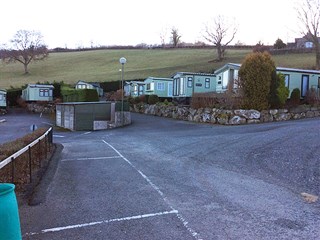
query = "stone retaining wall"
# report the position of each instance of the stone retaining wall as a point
(227, 117)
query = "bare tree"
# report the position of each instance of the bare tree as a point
(26, 46)
(163, 36)
(175, 37)
(309, 16)
(220, 35)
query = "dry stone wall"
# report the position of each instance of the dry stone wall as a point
(226, 117)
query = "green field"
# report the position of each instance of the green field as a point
(103, 65)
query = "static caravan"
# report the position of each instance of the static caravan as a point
(187, 83)
(301, 78)
(38, 92)
(3, 98)
(227, 77)
(162, 87)
(136, 88)
(85, 85)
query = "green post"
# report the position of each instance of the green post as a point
(9, 214)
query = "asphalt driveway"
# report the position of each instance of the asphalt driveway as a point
(166, 179)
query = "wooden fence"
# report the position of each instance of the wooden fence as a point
(21, 167)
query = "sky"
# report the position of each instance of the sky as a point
(83, 23)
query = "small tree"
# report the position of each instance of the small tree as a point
(295, 97)
(175, 37)
(26, 46)
(282, 90)
(256, 74)
(279, 44)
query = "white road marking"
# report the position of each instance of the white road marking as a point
(85, 133)
(58, 136)
(155, 187)
(58, 229)
(93, 158)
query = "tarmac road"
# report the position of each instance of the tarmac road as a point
(166, 179)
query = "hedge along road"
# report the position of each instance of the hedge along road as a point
(166, 179)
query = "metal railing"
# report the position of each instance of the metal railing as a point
(31, 157)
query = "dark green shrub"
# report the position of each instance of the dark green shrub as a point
(136, 100)
(13, 96)
(282, 91)
(89, 95)
(279, 93)
(295, 97)
(153, 99)
(256, 73)
(79, 95)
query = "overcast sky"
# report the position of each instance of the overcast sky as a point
(78, 23)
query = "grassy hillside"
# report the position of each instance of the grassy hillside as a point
(103, 65)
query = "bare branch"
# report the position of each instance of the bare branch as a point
(221, 34)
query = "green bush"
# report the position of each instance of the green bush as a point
(79, 95)
(153, 99)
(256, 74)
(279, 93)
(13, 95)
(295, 96)
(282, 91)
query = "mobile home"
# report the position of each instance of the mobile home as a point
(185, 84)
(85, 85)
(227, 76)
(162, 87)
(134, 88)
(38, 92)
(303, 79)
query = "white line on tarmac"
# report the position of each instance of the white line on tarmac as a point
(93, 158)
(85, 133)
(58, 229)
(155, 187)
(58, 136)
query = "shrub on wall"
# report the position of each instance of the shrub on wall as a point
(153, 99)
(295, 97)
(256, 73)
(312, 97)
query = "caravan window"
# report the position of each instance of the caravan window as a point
(160, 86)
(207, 83)
(287, 80)
(43, 92)
(189, 82)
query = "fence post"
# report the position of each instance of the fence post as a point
(39, 152)
(46, 146)
(12, 169)
(30, 164)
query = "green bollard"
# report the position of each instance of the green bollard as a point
(9, 214)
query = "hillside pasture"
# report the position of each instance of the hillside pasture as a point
(103, 65)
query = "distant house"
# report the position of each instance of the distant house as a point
(187, 83)
(304, 42)
(3, 98)
(38, 92)
(162, 87)
(85, 85)
(303, 79)
(134, 88)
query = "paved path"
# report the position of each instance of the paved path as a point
(167, 179)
